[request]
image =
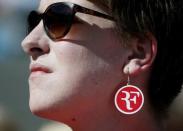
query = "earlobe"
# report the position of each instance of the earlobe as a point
(144, 51)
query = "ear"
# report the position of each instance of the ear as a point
(143, 53)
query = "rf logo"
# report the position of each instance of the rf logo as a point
(129, 99)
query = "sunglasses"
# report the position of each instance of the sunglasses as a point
(59, 17)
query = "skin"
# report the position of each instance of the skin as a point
(87, 67)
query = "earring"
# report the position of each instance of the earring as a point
(129, 99)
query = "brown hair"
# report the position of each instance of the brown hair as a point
(163, 18)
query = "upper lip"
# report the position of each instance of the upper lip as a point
(39, 67)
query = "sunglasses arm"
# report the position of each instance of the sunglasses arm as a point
(81, 9)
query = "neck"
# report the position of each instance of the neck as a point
(111, 119)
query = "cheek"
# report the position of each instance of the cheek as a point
(85, 70)
(80, 77)
(92, 62)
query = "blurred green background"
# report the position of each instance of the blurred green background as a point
(14, 63)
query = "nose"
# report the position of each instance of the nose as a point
(36, 43)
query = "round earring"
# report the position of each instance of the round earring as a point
(129, 99)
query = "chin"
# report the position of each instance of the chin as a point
(52, 110)
(39, 104)
(51, 113)
(36, 107)
(43, 111)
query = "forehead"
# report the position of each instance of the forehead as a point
(45, 3)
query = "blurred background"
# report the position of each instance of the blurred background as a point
(14, 63)
(14, 93)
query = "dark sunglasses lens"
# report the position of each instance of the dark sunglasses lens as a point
(33, 20)
(57, 20)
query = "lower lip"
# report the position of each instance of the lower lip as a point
(37, 74)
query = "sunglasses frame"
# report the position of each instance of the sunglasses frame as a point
(75, 8)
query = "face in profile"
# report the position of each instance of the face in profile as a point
(76, 73)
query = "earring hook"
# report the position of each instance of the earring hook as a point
(128, 73)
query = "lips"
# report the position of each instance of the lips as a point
(37, 69)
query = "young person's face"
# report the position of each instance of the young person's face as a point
(77, 74)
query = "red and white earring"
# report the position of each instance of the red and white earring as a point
(129, 99)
